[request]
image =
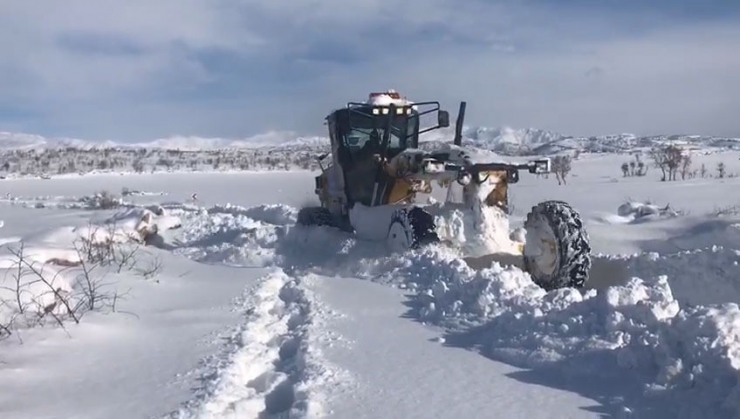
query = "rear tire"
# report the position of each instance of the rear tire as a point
(411, 229)
(556, 229)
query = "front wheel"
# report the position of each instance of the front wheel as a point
(410, 229)
(557, 250)
(314, 216)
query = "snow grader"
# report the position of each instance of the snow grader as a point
(375, 182)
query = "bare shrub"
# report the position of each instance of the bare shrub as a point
(561, 166)
(721, 170)
(685, 167)
(45, 294)
(150, 269)
(635, 167)
(102, 200)
(726, 210)
(668, 159)
(64, 289)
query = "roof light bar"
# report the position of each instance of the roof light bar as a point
(399, 111)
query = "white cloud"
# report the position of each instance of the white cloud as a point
(30, 34)
(207, 67)
(679, 80)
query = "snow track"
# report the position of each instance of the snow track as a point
(272, 366)
(655, 353)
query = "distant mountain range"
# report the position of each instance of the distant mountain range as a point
(12, 141)
(504, 141)
(529, 141)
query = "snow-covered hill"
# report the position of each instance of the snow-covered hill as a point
(530, 141)
(34, 155)
(270, 139)
(504, 140)
(22, 141)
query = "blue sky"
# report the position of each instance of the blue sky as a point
(138, 70)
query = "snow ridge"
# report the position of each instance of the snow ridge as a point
(667, 357)
(685, 359)
(272, 368)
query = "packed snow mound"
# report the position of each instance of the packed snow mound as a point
(686, 355)
(236, 235)
(277, 214)
(643, 211)
(143, 222)
(632, 212)
(697, 277)
(671, 331)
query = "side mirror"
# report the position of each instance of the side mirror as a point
(443, 119)
(512, 176)
(540, 167)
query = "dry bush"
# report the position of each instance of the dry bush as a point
(726, 210)
(64, 289)
(102, 200)
(670, 160)
(561, 166)
(721, 170)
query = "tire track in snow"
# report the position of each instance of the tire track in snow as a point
(274, 367)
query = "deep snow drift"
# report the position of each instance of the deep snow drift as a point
(655, 353)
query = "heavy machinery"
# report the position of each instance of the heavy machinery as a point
(377, 176)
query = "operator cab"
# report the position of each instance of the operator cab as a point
(384, 126)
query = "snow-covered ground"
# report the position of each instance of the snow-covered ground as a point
(236, 313)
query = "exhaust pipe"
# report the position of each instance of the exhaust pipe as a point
(459, 123)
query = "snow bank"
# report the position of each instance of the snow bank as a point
(236, 235)
(687, 355)
(649, 331)
(638, 212)
(277, 214)
(140, 223)
(697, 277)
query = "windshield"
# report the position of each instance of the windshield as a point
(369, 131)
(360, 137)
